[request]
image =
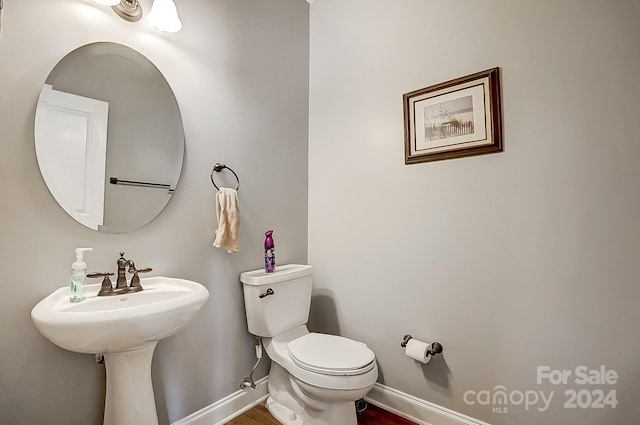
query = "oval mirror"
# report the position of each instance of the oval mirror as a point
(109, 137)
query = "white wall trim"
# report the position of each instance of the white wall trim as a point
(415, 409)
(222, 411)
(407, 406)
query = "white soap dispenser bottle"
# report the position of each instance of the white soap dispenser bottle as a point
(79, 276)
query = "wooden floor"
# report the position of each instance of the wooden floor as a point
(373, 415)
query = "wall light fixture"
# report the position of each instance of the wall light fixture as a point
(163, 15)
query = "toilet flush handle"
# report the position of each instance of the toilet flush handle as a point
(267, 293)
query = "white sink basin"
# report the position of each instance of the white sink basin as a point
(125, 328)
(119, 322)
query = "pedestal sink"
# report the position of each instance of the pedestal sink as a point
(125, 328)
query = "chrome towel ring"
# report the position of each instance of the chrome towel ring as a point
(219, 167)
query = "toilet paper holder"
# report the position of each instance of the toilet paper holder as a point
(436, 347)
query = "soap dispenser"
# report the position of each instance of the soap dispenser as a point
(79, 276)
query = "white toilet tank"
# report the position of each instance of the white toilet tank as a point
(279, 301)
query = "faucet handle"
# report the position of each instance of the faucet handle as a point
(145, 270)
(135, 280)
(107, 287)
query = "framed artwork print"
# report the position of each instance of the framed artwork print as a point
(454, 119)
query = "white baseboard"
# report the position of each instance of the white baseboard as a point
(222, 411)
(404, 405)
(415, 409)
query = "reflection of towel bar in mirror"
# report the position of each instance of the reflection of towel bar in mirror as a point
(219, 167)
(115, 180)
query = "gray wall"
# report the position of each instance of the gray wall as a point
(239, 70)
(514, 260)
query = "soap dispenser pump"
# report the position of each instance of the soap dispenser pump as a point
(79, 276)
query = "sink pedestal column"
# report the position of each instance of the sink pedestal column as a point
(129, 398)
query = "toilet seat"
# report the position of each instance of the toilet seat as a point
(331, 355)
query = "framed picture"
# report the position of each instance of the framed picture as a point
(458, 118)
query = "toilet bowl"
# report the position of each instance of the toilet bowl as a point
(317, 377)
(314, 378)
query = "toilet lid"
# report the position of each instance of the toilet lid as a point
(331, 354)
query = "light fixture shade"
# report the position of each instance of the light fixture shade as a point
(164, 16)
(107, 2)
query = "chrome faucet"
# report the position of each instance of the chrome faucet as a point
(121, 282)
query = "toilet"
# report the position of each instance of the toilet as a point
(315, 378)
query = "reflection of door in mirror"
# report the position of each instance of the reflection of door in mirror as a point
(145, 137)
(73, 158)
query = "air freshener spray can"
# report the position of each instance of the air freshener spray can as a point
(269, 253)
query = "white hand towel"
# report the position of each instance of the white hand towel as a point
(228, 212)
